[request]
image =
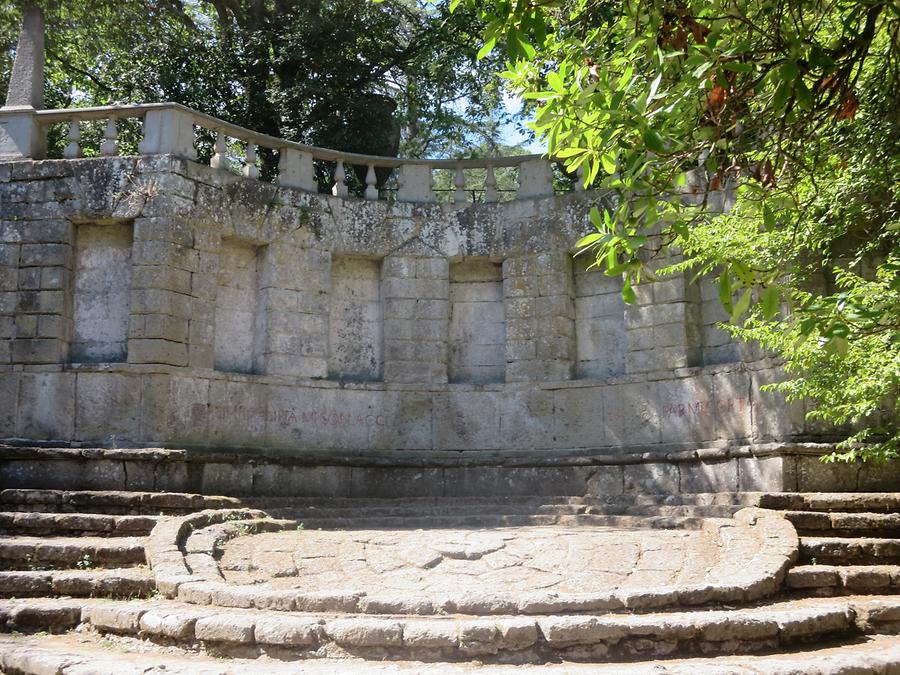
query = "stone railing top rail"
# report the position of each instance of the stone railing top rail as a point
(265, 141)
(169, 128)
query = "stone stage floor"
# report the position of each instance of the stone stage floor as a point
(450, 561)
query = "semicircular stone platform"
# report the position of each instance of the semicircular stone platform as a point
(242, 558)
(438, 562)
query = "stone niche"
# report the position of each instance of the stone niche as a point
(355, 320)
(477, 344)
(101, 297)
(239, 330)
(599, 322)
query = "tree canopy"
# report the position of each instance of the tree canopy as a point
(790, 109)
(346, 74)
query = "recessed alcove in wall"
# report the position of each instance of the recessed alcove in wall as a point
(239, 330)
(101, 293)
(355, 319)
(599, 321)
(477, 340)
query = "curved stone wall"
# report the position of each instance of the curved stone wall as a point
(268, 317)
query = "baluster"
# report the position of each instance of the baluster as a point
(340, 187)
(73, 149)
(490, 185)
(219, 159)
(250, 169)
(371, 179)
(579, 179)
(109, 147)
(459, 180)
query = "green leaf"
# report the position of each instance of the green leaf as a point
(654, 141)
(588, 240)
(742, 305)
(738, 67)
(488, 46)
(725, 290)
(768, 218)
(804, 95)
(609, 163)
(770, 301)
(628, 292)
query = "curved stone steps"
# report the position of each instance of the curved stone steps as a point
(68, 655)
(35, 523)
(128, 582)
(845, 524)
(875, 502)
(111, 502)
(844, 579)
(24, 552)
(850, 550)
(772, 626)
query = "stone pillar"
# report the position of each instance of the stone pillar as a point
(662, 327)
(294, 286)
(540, 311)
(415, 184)
(36, 281)
(162, 302)
(168, 132)
(295, 170)
(535, 179)
(20, 134)
(416, 296)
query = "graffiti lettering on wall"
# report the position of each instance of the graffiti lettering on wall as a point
(736, 404)
(286, 417)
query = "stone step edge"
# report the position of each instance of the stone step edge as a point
(820, 523)
(846, 578)
(850, 550)
(20, 549)
(152, 501)
(711, 631)
(23, 522)
(125, 582)
(40, 655)
(876, 502)
(182, 556)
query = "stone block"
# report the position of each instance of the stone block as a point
(772, 416)
(408, 422)
(814, 475)
(578, 414)
(631, 414)
(100, 393)
(237, 413)
(287, 631)
(708, 476)
(528, 419)
(9, 391)
(767, 474)
(606, 480)
(653, 478)
(175, 408)
(46, 406)
(231, 628)
(466, 421)
(395, 482)
(157, 351)
(688, 409)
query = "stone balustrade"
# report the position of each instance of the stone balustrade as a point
(171, 128)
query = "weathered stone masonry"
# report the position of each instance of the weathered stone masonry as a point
(268, 317)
